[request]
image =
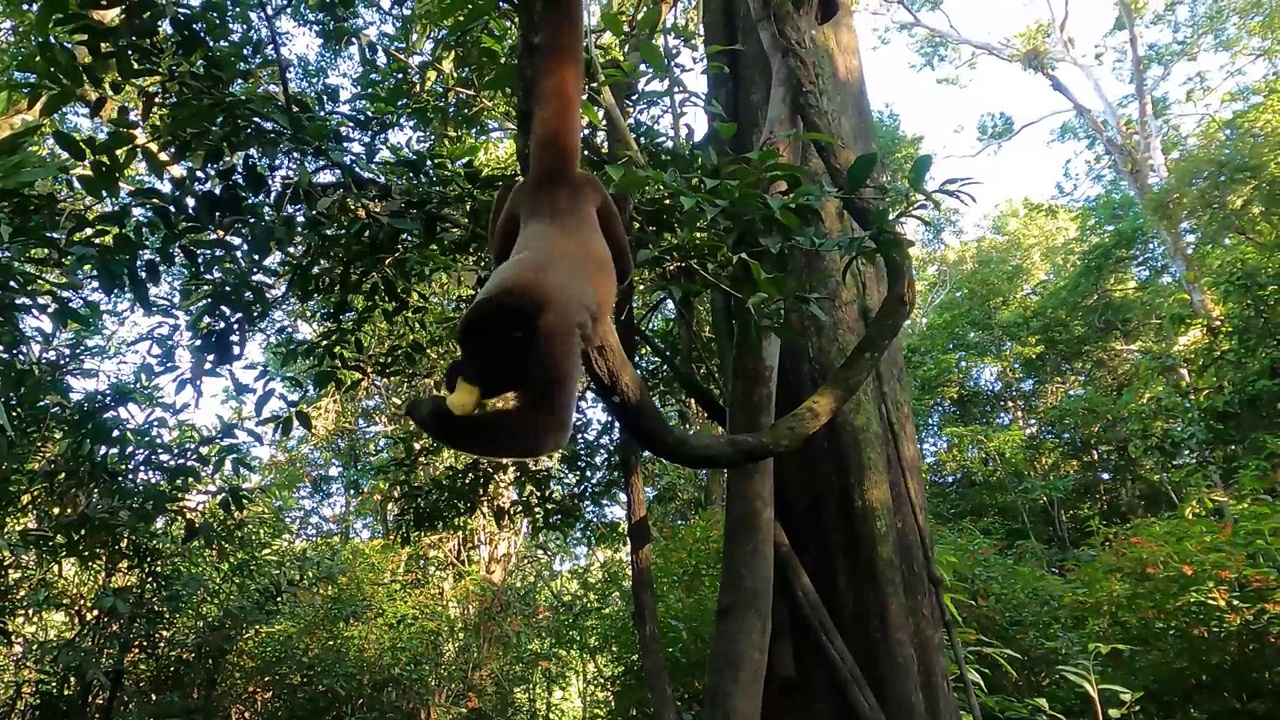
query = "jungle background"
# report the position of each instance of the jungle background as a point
(235, 236)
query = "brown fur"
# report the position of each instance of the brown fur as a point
(560, 251)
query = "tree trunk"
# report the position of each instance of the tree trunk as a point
(843, 498)
(644, 614)
(740, 641)
(644, 598)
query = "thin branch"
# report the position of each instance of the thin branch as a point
(1062, 53)
(1150, 152)
(274, 35)
(479, 99)
(1003, 52)
(1060, 27)
(996, 143)
(688, 381)
(1068, 56)
(1146, 131)
(613, 113)
(1115, 150)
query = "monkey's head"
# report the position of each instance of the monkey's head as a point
(498, 336)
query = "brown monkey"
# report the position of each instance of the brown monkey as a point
(560, 252)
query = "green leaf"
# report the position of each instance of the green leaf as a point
(860, 171)
(69, 145)
(285, 427)
(613, 23)
(653, 57)
(153, 162)
(593, 115)
(919, 172)
(262, 401)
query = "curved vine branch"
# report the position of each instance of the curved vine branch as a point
(624, 393)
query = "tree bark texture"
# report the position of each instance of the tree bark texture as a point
(740, 641)
(720, 316)
(842, 498)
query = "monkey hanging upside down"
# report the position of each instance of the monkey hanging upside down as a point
(560, 252)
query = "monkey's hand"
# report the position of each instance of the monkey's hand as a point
(429, 413)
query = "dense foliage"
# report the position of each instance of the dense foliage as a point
(234, 238)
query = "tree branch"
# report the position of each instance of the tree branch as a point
(995, 143)
(1149, 150)
(1003, 52)
(623, 392)
(612, 111)
(409, 63)
(1109, 109)
(1061, 53)
(1115, 150)
(850, 677)
(688, 381)
(285, 92)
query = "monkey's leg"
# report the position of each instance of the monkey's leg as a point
(504, 223)
(614, 233)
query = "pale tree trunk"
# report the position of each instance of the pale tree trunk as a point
(744, 609)
(740, 641)
(1137, 157)
(844, 499)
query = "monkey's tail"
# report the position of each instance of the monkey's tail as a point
(555, 142)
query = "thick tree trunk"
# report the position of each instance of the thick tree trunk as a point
(842, 499)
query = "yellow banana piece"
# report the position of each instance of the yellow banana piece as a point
(464, 399)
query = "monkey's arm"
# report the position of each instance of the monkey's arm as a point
(518, 433)
(615, 235)
(539, 424)
(504, 224)
(542, 420)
